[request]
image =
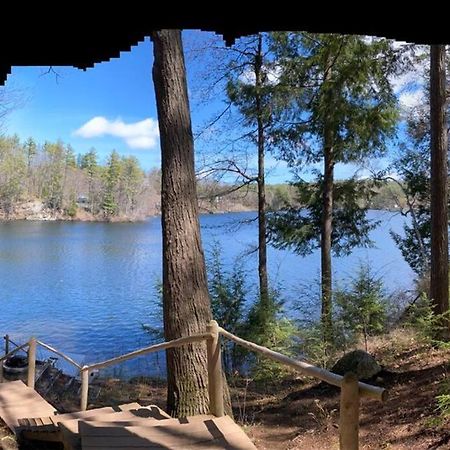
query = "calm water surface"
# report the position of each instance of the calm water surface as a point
(87, 288)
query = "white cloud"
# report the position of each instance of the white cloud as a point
(249, 77)
(139, 135)
(409, 100)
(409, 87)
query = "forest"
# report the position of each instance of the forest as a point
(52, 181)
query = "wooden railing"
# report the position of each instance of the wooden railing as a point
(351, 389)
(84, 372)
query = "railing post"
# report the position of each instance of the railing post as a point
(215, 382)
(349, 413)
(31, 362)
(84, 373)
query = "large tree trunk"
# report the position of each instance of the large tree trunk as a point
(325, 248)
(262, 243)
(439, 183)
(185, 293)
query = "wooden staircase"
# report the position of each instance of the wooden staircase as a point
(130, 426)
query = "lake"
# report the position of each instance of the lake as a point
(87, 288)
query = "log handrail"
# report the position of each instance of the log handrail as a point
(84, 371)
(20, 347)
(61, 354)
(153, 348)
(365, 390)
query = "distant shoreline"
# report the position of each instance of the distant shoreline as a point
(92, 219)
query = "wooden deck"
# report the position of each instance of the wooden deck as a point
(18, 401)
(129, 426)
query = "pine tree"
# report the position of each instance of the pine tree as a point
(131, 182)
(339, 107)
(111, 177)
(250, 89)
(89, 164)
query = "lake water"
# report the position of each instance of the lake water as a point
(87, 288)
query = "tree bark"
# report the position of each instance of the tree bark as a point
(262, 233)
(439, 184)
(185, 294)
(327, 216)
(325, 248)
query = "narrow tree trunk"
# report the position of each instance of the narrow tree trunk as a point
(185, 294)
(262, 243)
(327, 213)
(327, 228)
(439, 184)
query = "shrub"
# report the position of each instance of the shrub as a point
(361, 307)
(428, 325)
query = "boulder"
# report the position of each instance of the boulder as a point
(363, 365)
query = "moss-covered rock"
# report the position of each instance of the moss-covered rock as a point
(363, 365)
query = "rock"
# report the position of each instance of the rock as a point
(360, 363)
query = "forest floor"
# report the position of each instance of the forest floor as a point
(302, 414)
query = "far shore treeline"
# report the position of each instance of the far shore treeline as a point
(53, 181)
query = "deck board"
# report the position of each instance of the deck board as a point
(208, 433)
(18, 401)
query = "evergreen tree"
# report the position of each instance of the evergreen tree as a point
(338, 107)
(250, 89)
(131, 182)
(228, 297)
(89, 164)
(53, 191)
(111, 177)
(31, 151)
(71, 160)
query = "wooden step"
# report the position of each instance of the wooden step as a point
(128, 406)
(69, 428)
(48, 428)
(36, 424)
(206, 432)
(18, 401)
(135, 406)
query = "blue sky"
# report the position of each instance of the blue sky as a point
(111, 106)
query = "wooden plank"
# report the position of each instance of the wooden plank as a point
(142, 413)
(12, 414)
(17, 392)
(81, 414)
(135, 405)
(47, 421)
(69, 428)
(128, 406)
(220, 433)
(229, 441)
(17, 401)
(119, 419)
